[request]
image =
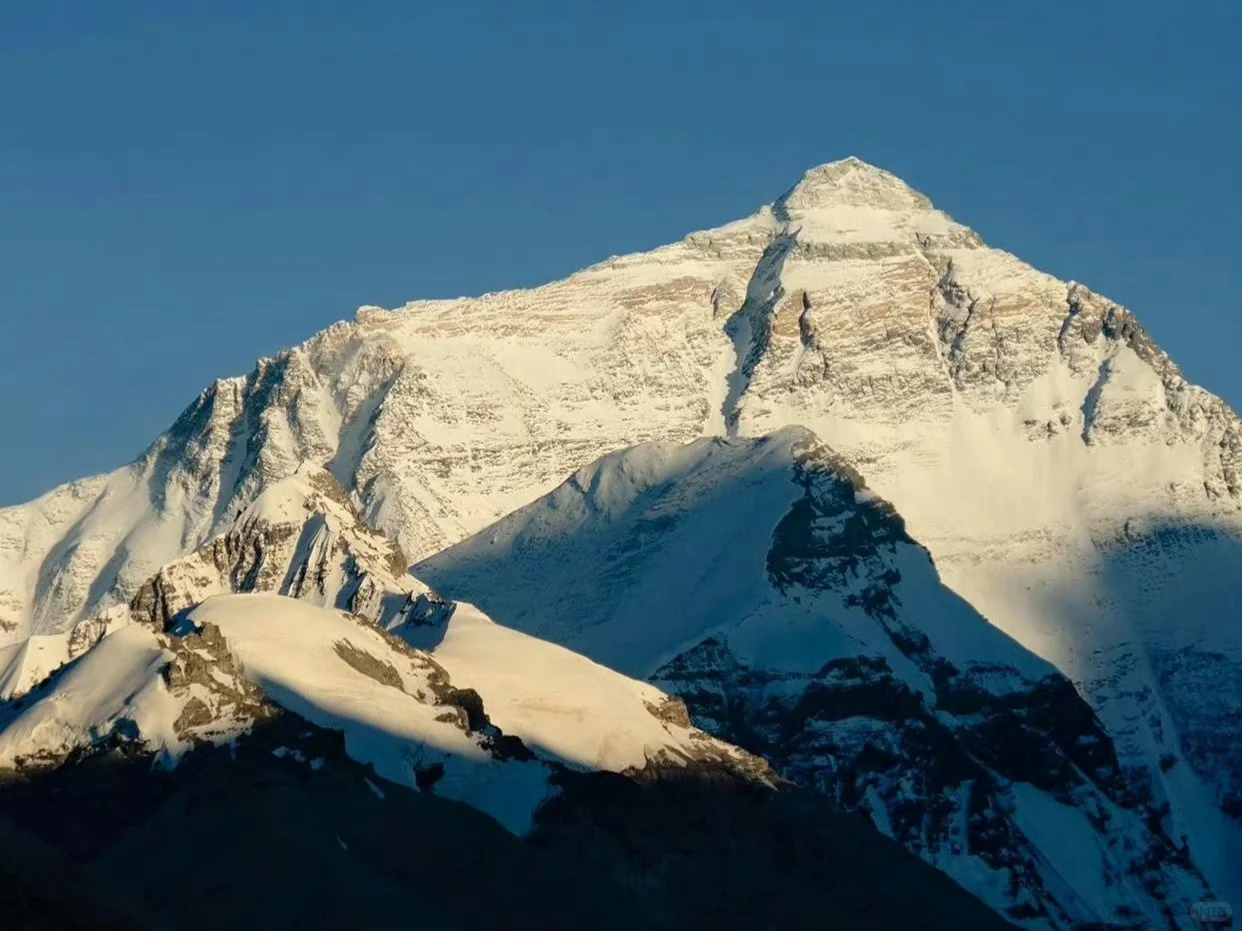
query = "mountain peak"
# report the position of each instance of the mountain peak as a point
(851, 182)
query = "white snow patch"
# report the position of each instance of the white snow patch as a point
(118, 680)
(559, 703)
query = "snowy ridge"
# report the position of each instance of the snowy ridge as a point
(232, 660)
(571, 709)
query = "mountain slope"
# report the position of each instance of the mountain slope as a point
(187, 661)
(222, 669)
(313, 748)
(763, 583)
(1068, 481)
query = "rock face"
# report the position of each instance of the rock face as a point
(302, 538)
(765, 585)
(1068, 482)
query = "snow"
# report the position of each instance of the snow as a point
(879, 812)
(668, 531)
(561, 704)
(1217, 841)
(648, 551)
(957, 630)
(288, 648)
(25, 664)
(1080, 867)
(651, 549)
(118, 680)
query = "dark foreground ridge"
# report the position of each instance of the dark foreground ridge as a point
(251, 838)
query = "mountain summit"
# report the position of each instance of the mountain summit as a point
(851, 182)
(1070, 486)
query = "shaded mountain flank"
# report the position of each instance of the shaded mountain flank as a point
(762, 583)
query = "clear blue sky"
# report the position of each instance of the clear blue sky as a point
(187, 186)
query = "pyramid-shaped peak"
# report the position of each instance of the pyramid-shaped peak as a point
(851, 182)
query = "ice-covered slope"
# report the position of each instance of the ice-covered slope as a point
(1067, 479)
(767, 586)
(301, 537)
(187, 661)
(217, 678)
(440, 423)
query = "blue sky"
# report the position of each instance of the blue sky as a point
(187, 186)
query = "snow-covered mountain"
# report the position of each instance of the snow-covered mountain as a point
(1069, 484)
(763, 583)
